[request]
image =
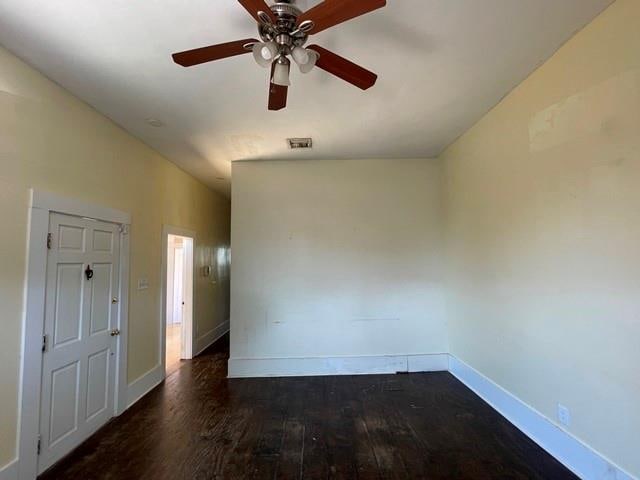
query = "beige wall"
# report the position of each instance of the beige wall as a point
(543, 236)
(542, 228)
(336, 257)
(51, 141)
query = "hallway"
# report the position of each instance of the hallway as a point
(174, 337)
(199, 425)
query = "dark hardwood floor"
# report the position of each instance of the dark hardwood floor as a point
(199, 425)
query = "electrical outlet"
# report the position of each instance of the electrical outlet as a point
(564, 415)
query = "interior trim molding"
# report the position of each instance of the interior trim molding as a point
(57, 203)
(322, 366)
(144, 384)
(9, 471)
(212, 336)
(578, 457)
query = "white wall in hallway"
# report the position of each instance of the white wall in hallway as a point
(338, 257)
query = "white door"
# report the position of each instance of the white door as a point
(79, 361)
(178, 286)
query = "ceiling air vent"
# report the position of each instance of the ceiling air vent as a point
(295, 143)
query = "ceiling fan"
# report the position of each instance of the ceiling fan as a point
(284, 30)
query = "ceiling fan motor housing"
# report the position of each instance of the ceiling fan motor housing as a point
(285, 31)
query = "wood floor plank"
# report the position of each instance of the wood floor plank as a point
(200, 425)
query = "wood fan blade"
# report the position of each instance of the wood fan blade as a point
(214, 52)
(277, 94)
(332, 12)
(255, 6)
(344, 69)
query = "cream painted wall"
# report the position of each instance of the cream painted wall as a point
(543, 237)
(335, 258)
(542, 227)
(51, 141)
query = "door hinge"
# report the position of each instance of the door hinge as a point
(124, 229)
(39, 444)
(45, 341)
(49, 240)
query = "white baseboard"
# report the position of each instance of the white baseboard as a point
(9, 471)
(319, 366)
(144, 384)
(567, 449)
(209, 338)
(432, 362)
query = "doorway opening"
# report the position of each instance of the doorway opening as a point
(178, 317)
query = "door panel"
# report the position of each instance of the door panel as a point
(101, 297)
(64, 401)
(78, 368)
(71, 238)
(68, 299)
(97, 383)
(102, 241)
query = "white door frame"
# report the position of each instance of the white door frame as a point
(188, 322)
(42, 204)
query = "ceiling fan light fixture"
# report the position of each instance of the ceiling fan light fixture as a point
(312, 59)
(265, 52)
(281, 72)
(300, 55)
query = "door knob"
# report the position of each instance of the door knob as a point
(115, 332)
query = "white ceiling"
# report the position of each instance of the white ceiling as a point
(441, 63)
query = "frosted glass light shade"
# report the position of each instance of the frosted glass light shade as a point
(312, 59)
(264, 53)
(300, 55)
(281, 72)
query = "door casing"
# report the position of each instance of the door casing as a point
(42, 205)
(188, 315)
